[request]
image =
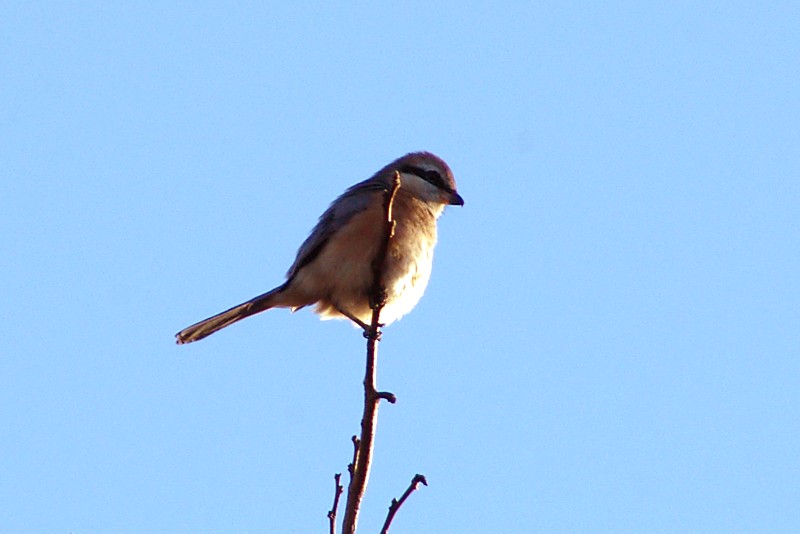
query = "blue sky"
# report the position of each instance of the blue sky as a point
(609, 342)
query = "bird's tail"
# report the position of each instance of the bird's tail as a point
(208, 326)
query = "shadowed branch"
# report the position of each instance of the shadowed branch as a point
(362, 460)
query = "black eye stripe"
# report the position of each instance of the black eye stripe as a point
(429, 176)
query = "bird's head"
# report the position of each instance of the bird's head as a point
(427, 177)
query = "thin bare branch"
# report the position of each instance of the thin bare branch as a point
(396, 504)
(337, 478)
(372, 397)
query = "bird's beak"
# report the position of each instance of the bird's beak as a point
(454, 199)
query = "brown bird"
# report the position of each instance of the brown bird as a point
(333, 268)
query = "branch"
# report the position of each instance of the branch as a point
(332, 513)
(395, 506)
(372, 397)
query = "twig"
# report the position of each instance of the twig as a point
(352, 465)
(372, 397)
(332, 513)
(396, 504)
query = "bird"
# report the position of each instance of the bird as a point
(333, 269)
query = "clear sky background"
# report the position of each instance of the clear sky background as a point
(610, 341)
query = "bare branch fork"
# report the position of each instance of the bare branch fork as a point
(362, 457)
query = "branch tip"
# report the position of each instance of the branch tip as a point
(397, 503)
(337, 478)
(387, 396)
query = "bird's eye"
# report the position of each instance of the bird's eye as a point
(434, 177)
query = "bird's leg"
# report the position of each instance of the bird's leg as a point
(353, 318)
(377, 299)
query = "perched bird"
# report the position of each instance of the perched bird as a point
(333, 268)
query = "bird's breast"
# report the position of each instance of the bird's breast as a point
(342, 274)
(409, 258)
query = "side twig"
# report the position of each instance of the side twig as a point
(372, 397)
(352, 465)
(332, 513)
(396, 504)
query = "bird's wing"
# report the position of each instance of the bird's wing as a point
(354, 200)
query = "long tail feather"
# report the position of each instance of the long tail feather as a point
(208, 326)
